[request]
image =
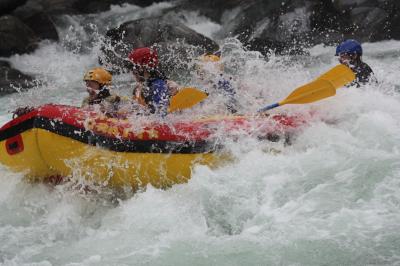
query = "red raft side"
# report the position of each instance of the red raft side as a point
(195, 130)
(82, 125)
(29, 116)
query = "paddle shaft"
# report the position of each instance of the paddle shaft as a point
(269, 107)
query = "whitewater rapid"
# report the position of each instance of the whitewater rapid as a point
(330, 198)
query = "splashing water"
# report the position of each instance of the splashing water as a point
(331, 198)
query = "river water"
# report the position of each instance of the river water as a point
(330, 198)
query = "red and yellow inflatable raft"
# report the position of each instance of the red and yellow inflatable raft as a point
(56, 140)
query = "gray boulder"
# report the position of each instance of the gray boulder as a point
(214, 9)
(344, 5)
(7, 6)
(40, 22)
(328, 24)
(12, 80)
(15, 36)
(371, 23)
(59, 7)
(392, 26)
(53, 7)
(93, 6)
(252, 14)
(174, 42)
(289, 26)
(395, 26)
(274, 25)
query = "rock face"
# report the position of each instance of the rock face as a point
(278, 25)
(372, 23)
(10, 79)
(171, 38)
(58, 7)
(93, 6)
(287, 26)
(213, 9)
(281, 25)
(15, 36)
(41, 24)
(37, 15)
(284, 26)
(146, 32)
(7, 6)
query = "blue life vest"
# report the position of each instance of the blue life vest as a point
(156, 95)
(226, 88)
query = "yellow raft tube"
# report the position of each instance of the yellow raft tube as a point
(55, 141)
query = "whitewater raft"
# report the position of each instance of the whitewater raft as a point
(62, 141)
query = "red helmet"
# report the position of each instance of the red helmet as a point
(144, 57)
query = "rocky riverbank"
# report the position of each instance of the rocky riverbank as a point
(280, 26)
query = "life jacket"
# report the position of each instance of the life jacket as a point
(225, 87)
(103, 96)
(155, 95)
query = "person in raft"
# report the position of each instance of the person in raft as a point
(97, 82)
(209, 72)
(152, 90)
(350, 54)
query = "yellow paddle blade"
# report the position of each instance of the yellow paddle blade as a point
(311, 92)
(186, 98)
(323, 87)
(339, 76)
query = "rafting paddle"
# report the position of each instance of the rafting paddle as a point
(339, 76)
(186, 98)
(323, 87)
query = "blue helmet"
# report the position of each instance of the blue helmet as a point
(349, 47)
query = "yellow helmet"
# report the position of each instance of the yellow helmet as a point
(210, 58)
(98, 74)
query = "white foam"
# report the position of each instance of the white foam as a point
(330, 198)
